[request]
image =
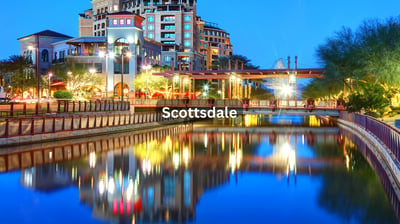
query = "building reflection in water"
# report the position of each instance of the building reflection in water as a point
(162, 179)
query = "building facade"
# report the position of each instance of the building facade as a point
(173, 23)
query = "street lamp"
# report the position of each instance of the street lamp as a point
(31, 47)
(50, 75)
(147, 68)
(103, 54)
(129, 55)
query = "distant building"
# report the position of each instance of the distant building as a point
(157, 32)
(37, 48)
(86, 23)
(173, 23)
(214, 43)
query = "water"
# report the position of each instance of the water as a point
(255, 169)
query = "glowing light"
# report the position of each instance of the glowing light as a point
(111, 55)
(176, 160)
(185, 155)
(30, 47)
(176, 78)
(102, 54)
(146, 67)
(111, 185)
(206, 87)
(146, 166)
(92, 70)
(286, 90)
(131, 40)
(128, 54)
(101, 187)
(50, 75)
(292, 78)
(92, 159)
(292, 160)
(129, 190)
(205, 140)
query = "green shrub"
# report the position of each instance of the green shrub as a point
(60, 94)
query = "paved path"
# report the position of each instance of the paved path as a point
(390, 120)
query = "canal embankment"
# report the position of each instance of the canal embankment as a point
(382, 140)
(37, 129)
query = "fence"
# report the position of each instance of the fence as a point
(232, 103)
(26, 126)
(388, 135)
(61, 106)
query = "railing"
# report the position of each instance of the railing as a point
(388, 135)
(28, 126)
(61, 106)
(291, 104)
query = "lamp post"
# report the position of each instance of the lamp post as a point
(50, 75)
(31, 47)
(147, 68)
(103, 54)
(128, 54)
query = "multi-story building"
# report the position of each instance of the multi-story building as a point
(37, 48)
(86, 23)
(102, 54)
(100, 10)
(214, 43)
(173, 24)
(170, 22)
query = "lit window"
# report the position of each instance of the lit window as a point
(128, 21)
(187, 34)
(167, 58)
(187, 43)
(150, 27)
(150, 18)
(187, 18)
(121, 22)
(187, 26)
(115, 22)
(150, 35)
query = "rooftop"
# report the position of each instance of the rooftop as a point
(47, 33)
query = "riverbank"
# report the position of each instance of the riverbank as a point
(383, 153)
(41, 130)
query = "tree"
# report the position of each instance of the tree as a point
(21, 73)
(79, 78)
(223, 63)
(371, 54)
(153, 83)
(372, 98)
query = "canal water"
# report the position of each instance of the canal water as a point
(253, 169)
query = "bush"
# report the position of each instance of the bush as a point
(60, 94)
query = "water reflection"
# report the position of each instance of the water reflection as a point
(167, 176)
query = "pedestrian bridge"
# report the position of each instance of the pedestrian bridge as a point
(300, 107)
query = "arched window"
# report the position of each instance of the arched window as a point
(45, 55)
(120, 44)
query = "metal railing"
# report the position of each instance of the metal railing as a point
(387, 134)
(28, 126)
(268, 104)
(61, 106)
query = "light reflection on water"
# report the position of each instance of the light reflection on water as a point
(254, 169)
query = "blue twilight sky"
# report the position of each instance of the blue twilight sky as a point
(263, 30)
